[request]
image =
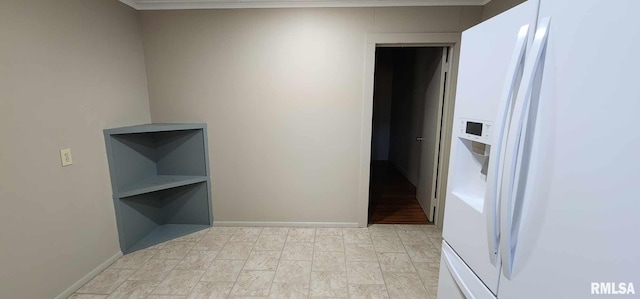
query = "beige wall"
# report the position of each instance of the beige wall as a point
(495, 7)
(281, 91)
(68, 70)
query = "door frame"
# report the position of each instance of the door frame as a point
(451, 40)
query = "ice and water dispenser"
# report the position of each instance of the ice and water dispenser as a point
(473, 138)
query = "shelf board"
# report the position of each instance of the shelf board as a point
(165, 233)
(151, 128)
(160, 182)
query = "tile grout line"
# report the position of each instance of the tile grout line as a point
(214, 260)
(217, 259)
(129, 276)
(174, 267)
(279, 259)
(245, 261)
(346, 270)
(414, 265)
(278, 265)
(198, 251)
(126, 279)
(380, 265)
(313, 254)
(116, 288)
(199, 278)
(429, 239)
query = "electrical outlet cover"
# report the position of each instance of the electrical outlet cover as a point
(65, 157)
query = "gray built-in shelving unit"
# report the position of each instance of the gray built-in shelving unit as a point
(160, 181)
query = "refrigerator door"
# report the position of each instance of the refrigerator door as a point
(489, 64)
(457, 281)
(574, 214)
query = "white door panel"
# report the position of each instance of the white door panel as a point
(431, 137)
(447, 286)
(457, 280)
(484, 57)
(578, 188)
(486, 52)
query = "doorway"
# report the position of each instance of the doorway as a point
(408, 102)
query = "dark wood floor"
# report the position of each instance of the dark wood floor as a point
(392, 198)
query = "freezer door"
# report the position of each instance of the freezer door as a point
(457, 281)
(488, 63)
(575, 214)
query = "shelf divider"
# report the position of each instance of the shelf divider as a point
(160, 182)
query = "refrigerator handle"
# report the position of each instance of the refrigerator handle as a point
(509, 236)
(509, 90)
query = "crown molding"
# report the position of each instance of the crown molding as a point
(230, 4)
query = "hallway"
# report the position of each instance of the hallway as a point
(392, 198)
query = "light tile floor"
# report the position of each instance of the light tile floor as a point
(381, 261)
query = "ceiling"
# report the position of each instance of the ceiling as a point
(206, 4)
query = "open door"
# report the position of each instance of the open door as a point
(430, 139)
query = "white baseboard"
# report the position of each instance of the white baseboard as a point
(288, 224)
(78, 284)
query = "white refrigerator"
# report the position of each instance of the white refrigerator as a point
(543, 199)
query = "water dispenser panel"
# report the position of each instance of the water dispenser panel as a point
(475, 130)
